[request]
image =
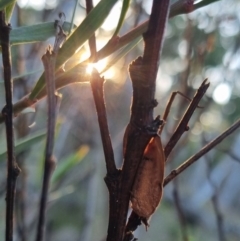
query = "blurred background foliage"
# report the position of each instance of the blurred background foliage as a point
(203, 202)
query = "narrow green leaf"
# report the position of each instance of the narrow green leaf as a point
(73, 16)
(84, 31)
(24, 143)
(184, 6)
(9, 10)
(62, 192)
(34, 33)
(122, 52)
(125, 7)
(5, 3)
(68, 163)
(204, 3)
(29, 110)
(24, 75)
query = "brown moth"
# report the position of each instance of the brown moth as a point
(148, 185)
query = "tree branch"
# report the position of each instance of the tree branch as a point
(12, 168)
(153, 38)
(142, 125)
(98, 94)
(183, 124)
(202, 152)
(49, 61)
(49, 66)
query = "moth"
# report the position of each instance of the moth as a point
(148, 185)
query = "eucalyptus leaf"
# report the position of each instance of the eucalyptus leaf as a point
(122, 52)
(24, 143)
(69, 163)
(125, 7)
(28, 110)
(5, 3)
(9, 10)
(24, 75)
(34, 33)
(83, 32)
(204, 3)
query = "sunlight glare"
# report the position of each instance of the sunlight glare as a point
(110, 73)
(89, 68)
(100, 65)
(111, 21)
(85, 55)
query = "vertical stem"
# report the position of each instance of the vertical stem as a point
(49, 66)
(98, 94)
(49, 62)
(12, 167)
(153, 38)
(22, 130)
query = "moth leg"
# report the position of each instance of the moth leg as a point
(145, 222)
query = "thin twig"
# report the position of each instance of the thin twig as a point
(202, 152)
(12, 168)
(183, 124)
(49, 60)
(49, 65)
(22, 130)
(168, 107)
(98, 94)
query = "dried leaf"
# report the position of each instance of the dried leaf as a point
(148, 185)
